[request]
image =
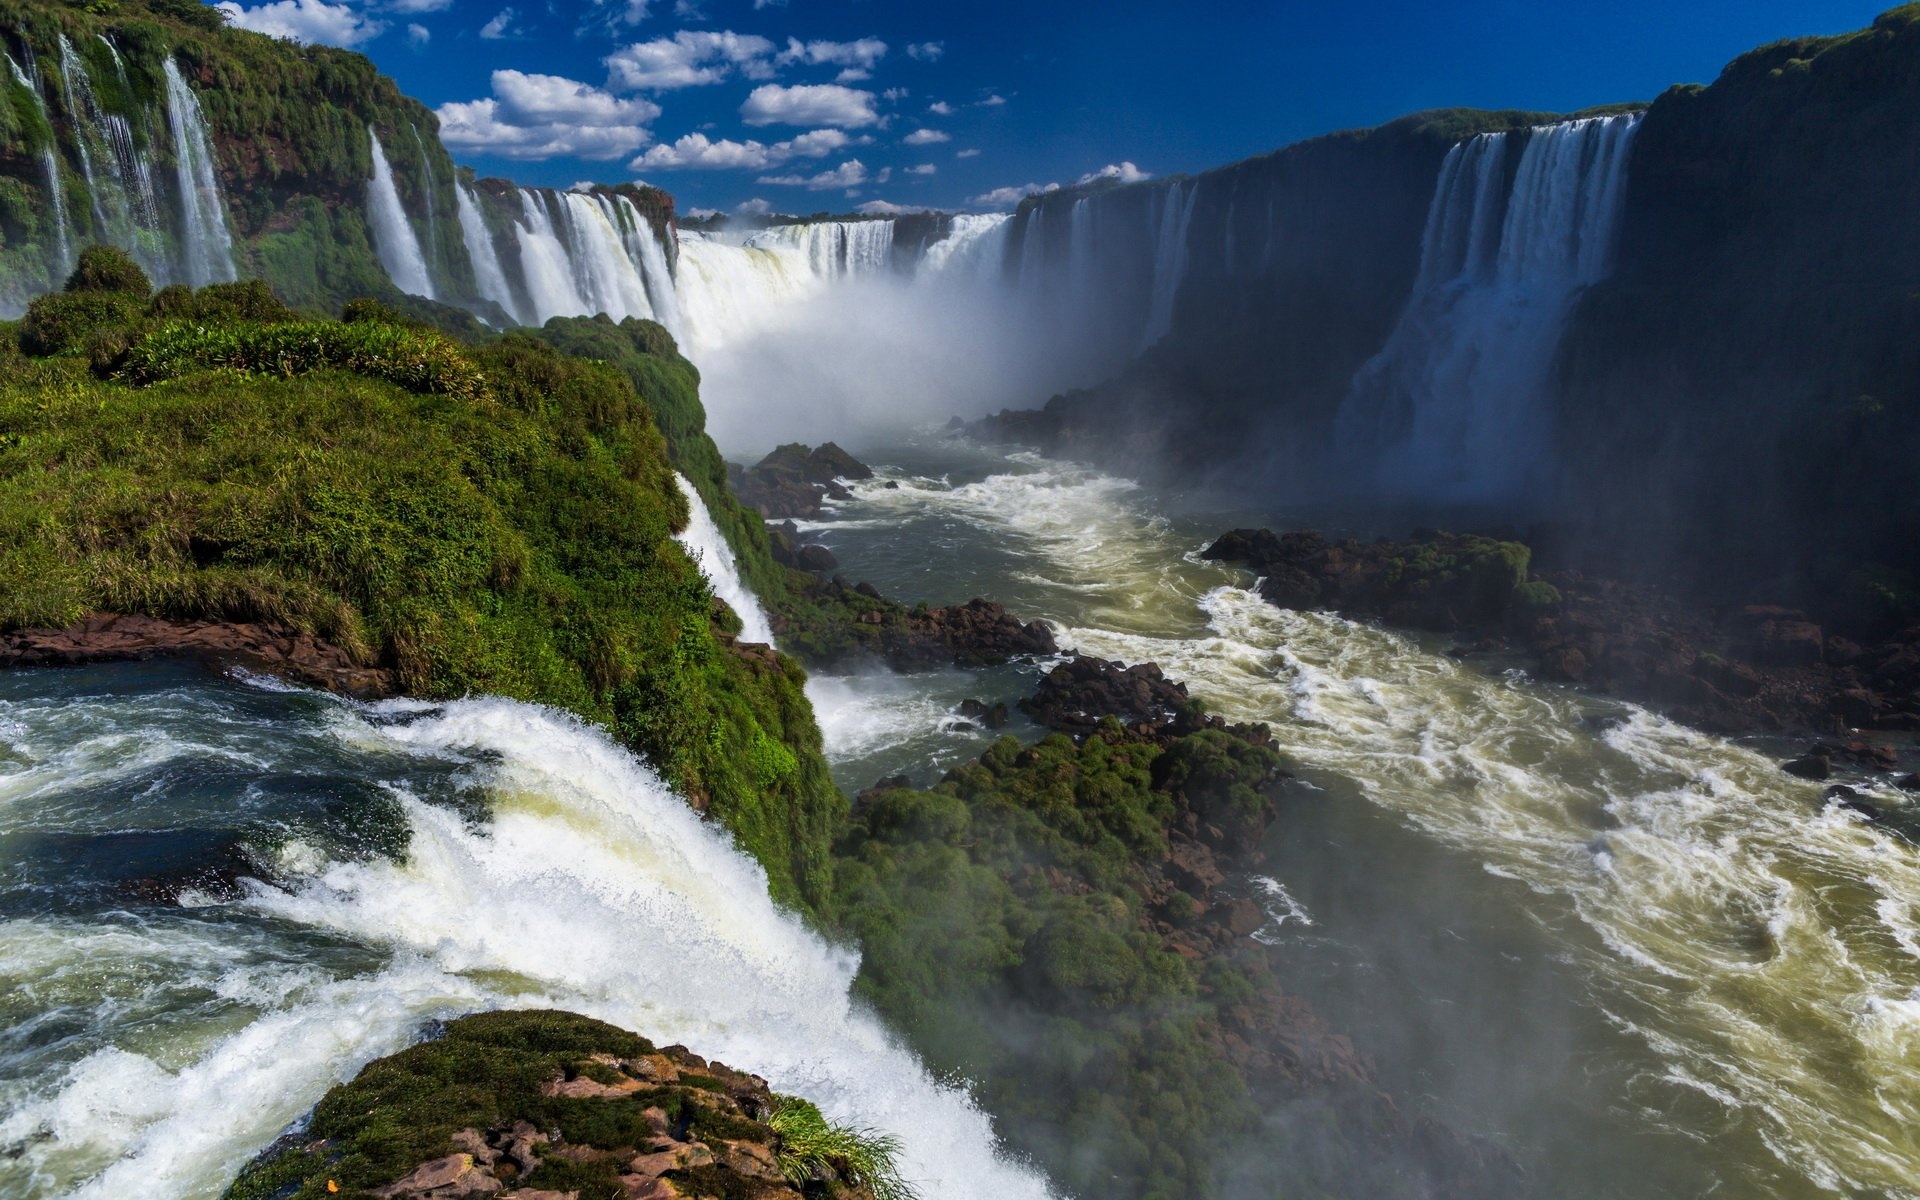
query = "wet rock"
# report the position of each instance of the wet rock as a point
(794, 481)
(1078, 694)
(1809, 766)
(267, 647)
(455, 1177)
(816, 558)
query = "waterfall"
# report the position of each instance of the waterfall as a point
(1169, 259)
(973, 244)
(1453, 404)
(393, 234)
(122, 197)
(835, 249)
(488, 275)
(50, 165)
(643, 246)
(609, 279)
(206, 243)
(426, 190)
(708, 548)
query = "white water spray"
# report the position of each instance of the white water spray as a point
(708, 547)
(393, 235)
(1453, 405)
(206, 243)
(488, 274)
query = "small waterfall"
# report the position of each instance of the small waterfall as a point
(393, 235)
(206, 243)
(644, 248)
(488, 275)
(1453, 405)
(50, 164)
(973, 244)
(427, 186)
(835, 249)
(708, 548)
(609, 280)
(1169, 259)
(124, 211)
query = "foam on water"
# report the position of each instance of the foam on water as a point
(587, 884)
(1764, 948)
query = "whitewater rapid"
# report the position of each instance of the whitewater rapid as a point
(152, 1049)
(1757, 951)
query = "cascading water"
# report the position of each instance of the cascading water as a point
(488, 273)
(708, 547)
(428, 185)
(1169, 259)
(609, 279)
(50, 165)
(973, 244)
(398, 864)
(644, 248)
(1452, 406)
(393, 235)
(124, 209)
(835, 249)
(206, 244)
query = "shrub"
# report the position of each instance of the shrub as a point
(809, 1144)
(108, 269)
(62, 322)
(415, 360)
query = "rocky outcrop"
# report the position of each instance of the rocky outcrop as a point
(551, 1106)
(844, 624)
(275, 649)
(794, 481)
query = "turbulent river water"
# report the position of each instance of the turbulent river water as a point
(1642, 958)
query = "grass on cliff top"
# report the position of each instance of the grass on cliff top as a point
(494, 519)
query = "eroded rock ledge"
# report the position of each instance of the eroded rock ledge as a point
(276, 649)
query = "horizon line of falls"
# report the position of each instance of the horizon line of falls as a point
(1455, 405)
(173, 222)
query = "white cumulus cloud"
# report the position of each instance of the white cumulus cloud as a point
(499, 27)
(418, 6)
(1124, 172)
(1007, 197)
(927, 51)
(547, 116)
(925, 137)
(859, 55)
(698, 151)
(305, 21)
(810, 104)
(851, 173)
(754, 208)
(887, 208)
(940, 108)
(922, 169)
(690, 58)
(968, 153)
(419, 35)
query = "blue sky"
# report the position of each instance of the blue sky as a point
(805, 105)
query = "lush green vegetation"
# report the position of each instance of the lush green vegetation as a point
(810, 1146)
(1005, 926)
(480, 519)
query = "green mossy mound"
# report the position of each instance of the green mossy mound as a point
(1005, 927)
(493, 519)
(550, 1100)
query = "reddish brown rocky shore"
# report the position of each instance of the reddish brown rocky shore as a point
(271, 648)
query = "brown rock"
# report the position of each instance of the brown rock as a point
(752, 1159)
(677, 1156)
(455, 1177)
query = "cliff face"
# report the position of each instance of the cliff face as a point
(1291, 269)
(1749, 378)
